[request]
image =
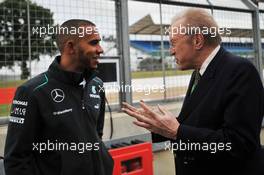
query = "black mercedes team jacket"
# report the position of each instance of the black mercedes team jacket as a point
(55, 126)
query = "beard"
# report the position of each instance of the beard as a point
(84, 61)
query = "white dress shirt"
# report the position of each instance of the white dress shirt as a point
(208, 60)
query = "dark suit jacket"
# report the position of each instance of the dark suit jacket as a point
(226, 110)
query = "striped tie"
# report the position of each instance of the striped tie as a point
(196, 80)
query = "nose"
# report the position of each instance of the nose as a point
(100, 50)
(172, 51)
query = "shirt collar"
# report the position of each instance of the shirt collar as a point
(208, 60)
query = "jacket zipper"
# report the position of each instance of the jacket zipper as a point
(83, 93)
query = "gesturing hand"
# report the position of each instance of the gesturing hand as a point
(159, 121)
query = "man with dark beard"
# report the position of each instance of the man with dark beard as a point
(57, 118)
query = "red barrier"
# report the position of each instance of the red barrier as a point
(133, 160)
(7, 95)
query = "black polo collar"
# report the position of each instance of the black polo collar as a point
(73, 78)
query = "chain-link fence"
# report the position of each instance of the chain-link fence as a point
(150, 45)
(27, 45)
(27, 38)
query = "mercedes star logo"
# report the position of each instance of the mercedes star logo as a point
(57, 95)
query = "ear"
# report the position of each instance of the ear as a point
(70, 47)
(198, 41)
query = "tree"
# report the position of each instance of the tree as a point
(14, 27)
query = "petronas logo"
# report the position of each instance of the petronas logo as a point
(93, 89)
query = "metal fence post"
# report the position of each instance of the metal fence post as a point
(256, 37)
(29, 39)
(123, 49)
(162, 52)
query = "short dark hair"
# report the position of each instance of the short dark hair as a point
(62, 37)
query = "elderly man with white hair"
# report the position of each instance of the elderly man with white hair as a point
(218, 128)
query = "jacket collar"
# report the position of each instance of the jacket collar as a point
(191, 101)
(73, 78)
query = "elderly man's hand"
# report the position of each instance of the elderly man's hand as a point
(162, 122)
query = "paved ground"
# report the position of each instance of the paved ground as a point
(123, 126)
(163, 161)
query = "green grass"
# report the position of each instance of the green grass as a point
(138, 74)
(4, 110)
(5, 84)
(151, 74)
